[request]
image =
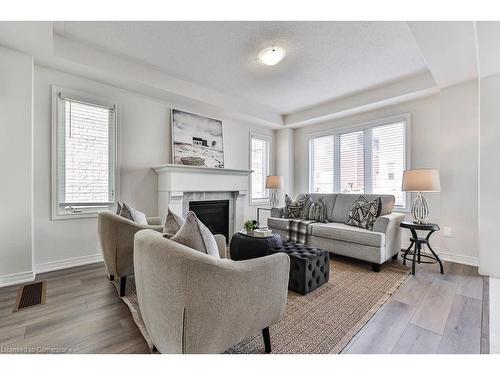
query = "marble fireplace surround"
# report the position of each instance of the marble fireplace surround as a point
(180, 184)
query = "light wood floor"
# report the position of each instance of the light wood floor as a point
(430, 313)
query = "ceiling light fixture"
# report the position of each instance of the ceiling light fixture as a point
(271, 55)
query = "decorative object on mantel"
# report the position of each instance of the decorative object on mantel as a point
(196, 140)
(274, 184)
(420, 180)
(250, 226)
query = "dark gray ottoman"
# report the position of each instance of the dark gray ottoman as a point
(309, 266)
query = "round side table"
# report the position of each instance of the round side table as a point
(246, 246)
(417, 242)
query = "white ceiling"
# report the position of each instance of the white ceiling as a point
(325, 60)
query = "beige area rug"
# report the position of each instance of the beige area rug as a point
(323, 321)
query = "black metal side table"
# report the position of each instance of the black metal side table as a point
(417, 242)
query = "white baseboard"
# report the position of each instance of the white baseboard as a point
(68, 263)
(17, 278)
(450, 257)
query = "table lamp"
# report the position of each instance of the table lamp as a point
(419, 181)
(274, 184)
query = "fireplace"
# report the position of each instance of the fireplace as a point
(214, 214)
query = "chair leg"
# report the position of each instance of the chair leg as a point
(376, 267)
(267, 339)
(123, 284)
(111, 277)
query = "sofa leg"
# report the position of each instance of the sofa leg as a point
(123, 284)
(376, 267)
(395, 256)
(267, 339)
(111, 277)
(154, 350)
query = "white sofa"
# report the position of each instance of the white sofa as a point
(375, 246)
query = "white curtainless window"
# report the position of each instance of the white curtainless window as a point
(84, 155)
(260, 150)
(364, 159)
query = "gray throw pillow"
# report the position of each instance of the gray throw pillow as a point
(118, 208)
(363, 213)
(126, 212)
(172, 225)
(197, 236)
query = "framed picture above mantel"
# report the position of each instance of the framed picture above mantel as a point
(196, 140)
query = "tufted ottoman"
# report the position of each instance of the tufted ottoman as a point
(309, 266)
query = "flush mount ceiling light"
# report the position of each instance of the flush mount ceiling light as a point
(271, 55)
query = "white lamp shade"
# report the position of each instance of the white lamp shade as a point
(274, 182)
(421, 180)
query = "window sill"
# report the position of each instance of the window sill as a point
(78, 215)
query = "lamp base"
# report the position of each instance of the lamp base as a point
(274, 197)
(419, 209)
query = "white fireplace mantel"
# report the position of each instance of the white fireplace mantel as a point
(175, 180)
(174, 177)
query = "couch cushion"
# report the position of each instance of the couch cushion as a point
(278, 223)
(283, 224)
(328, 199)
(344, 202)
(343, 232)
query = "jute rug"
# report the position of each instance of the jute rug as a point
(323, 321)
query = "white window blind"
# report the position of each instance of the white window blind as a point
(322, 164)
(86, 156)
(352, 164)
(259, 164)
(368, 160)
(388, 160)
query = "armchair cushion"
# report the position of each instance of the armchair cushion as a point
(194, 234)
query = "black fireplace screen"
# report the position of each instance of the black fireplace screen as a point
(214, 214)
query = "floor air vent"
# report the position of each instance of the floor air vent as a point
(30, 295)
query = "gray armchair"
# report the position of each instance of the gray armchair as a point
(116, 236)
(193, 303)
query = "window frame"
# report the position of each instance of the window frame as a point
(57, 212)
(366, 127)
(268, 139)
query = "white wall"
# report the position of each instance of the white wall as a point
(144, 133)
(459, 144)
(489, 207)
(284, 145)
(444, 136)
(16, 99)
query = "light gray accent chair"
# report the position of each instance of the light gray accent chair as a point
(116, 236)
(192, 302)
(376, 247)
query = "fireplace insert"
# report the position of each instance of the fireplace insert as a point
(214, 214)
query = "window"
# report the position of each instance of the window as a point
(369, 159)
(259, 164)
(322, 157)
(84, 153)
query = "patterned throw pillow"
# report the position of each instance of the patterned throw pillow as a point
(363, 213)
(320, 211)
(314, 210)
(308, 208)
(293, 209)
